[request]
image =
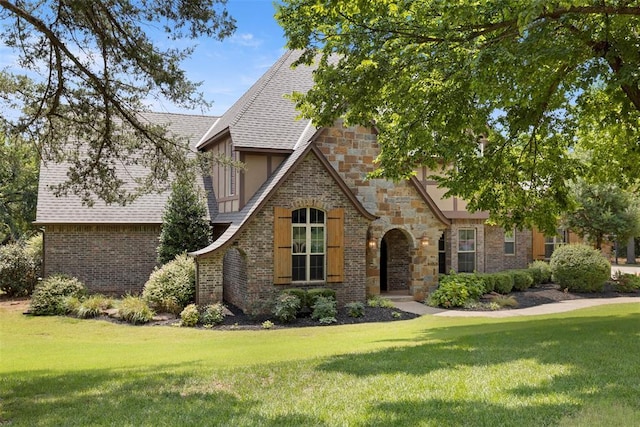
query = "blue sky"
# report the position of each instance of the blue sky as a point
(228, 68)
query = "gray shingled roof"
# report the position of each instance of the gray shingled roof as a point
(263, 118)
(145, 209)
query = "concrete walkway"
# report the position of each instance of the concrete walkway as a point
(556, 307)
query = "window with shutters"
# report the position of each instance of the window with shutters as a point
(308, 244)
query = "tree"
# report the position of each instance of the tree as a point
(605, 212)
(532, 81)
(86, 68)
(184, 224)
(18, 188)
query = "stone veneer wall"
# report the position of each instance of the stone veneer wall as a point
(310, 185)
(109, 258)
(351, 151)
(496, 260)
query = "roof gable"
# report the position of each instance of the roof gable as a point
(263, 117)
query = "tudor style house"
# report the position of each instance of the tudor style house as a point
(300, 214)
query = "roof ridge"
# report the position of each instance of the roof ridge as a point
(261, 84)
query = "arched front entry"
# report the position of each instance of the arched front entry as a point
(395, 262)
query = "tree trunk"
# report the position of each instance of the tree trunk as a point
(631, 251)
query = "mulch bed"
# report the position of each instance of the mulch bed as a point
(543, 294)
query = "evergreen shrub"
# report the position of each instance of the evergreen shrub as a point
(522, 279)
(541, 272)
(579, 268)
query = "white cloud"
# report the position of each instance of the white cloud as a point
(246, 40)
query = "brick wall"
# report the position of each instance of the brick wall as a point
(497, 260)
(109, 259)
(309, 185)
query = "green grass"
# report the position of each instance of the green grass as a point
(572, 369)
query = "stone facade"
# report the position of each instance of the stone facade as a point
(400, 208)
(109, 259)
(251, 282)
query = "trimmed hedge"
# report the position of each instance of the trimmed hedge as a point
(579, 268)
(313, 294)
(541, 272)
(522, 279)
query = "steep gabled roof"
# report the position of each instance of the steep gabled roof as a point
(239, 220)
(263, 118)
(145, 209)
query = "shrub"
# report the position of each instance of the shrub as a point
(135, 310)
(71, 305)
(49, 296)
(173, 285)
(378, 301)
(355, 309)
(190, 315)
(267, 324)
(625, 282)
(18, 270)
(33, 247)
(505, 301)
(324, 310)
(522, 279)
(456, 290)
(541, 272)
(313, 294)
(92, 306)
(301, 294)
(489, 281)
(286, 307)
(579, 268)
(503, 282)
(213, 314)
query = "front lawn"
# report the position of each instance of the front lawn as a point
(577, 368)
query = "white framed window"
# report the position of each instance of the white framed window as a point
(466, 250)
(509, 242)
(308, 247)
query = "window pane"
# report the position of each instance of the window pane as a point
(317, 267)
(509, 248)
(299, 240)
(317, 240)
(299, 216)
(466, 241)
(299, 267)
(317, 216)
(466, 262)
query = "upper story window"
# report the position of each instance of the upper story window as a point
(308, 244)
(509, 242)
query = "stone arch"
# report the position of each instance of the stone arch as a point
(234, 276)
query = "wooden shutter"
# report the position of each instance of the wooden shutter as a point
(537, 244)
(281, 246)
(335, 246)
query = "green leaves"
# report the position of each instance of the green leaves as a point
(537, 82)
(83, 70)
